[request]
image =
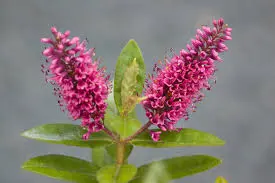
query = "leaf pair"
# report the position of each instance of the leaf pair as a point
(104, 153)
(69, 134)
(77, 170)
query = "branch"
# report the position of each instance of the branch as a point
(144, 127)
(111, 134)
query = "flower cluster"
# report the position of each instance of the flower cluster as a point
(79, 83)
(178, 85)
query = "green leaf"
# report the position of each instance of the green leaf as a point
(178, 167)
(128, 88)
(130, 52)
(156, 174)
(221, 179)
(114, 174)
(100, 157)
(67, 134)
(186, 137)
(63, 168)
(123, 125)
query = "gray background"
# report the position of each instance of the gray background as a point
(240, 108)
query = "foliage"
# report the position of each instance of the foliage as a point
(122, 131)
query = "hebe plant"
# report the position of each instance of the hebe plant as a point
(106, 108)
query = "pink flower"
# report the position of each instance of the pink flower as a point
(178, 85)
(155, 135)
(80, 85)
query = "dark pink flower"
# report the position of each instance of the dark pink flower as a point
(178, 85)
(79, 83)
(155, 135)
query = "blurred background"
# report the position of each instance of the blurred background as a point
(240, 108)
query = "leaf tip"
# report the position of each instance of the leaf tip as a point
(221, 142)
(220, 179)
(133, 42)
(216, 161)
(24, 165)
(24, 134)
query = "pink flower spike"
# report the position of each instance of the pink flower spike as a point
(184, 77)
(70, 63)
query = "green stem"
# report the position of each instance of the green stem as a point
(143, 128)
(120, 153)
(111, 134)
(119, 159)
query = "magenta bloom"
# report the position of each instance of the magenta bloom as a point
(178, 85)
(79, 84)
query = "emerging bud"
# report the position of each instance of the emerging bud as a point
(129, 97)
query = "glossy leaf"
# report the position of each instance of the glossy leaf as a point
(156, 174)
(221, 179)
(178, 167)
(67, 134)
(63, 168)
(130, 52)
(100, 157)
(186, 137)
(112, 173)
(124, 126)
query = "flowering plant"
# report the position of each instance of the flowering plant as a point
(109, 124)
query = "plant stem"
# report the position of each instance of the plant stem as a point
(106, 130)
(120, 153)
(144, 127)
